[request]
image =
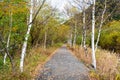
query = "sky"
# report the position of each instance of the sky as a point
(59, 4)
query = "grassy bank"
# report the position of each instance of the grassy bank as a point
(34, 61)
(108, 67)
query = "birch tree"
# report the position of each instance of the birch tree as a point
(84, 27)
(31, 20)
(100, 27)
(26, 37)
(103, 19)
(82, 7)
(49, 15)
(71, 11)
(68, 14)
(5, 49)
(92, 37)
(75, 34)
(8, 40)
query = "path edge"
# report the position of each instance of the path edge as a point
(42, 65)
(72, 53)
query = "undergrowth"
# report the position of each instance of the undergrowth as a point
(108, 67)
(34, 60)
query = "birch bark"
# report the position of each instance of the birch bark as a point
(26, 38)
(84, 28)
(71, 35)
(8, 40)
(74, 41)
(100, 28)
(93, 30)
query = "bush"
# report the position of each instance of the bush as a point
(58, 44)
(110, 36)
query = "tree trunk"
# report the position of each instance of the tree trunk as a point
(45, 40)
(101, 24)
(26, 38)
(82, 41)
(92, 41)
(7, 52)
(71, 39)
(84, 28)
(74, 41)
(8, 41)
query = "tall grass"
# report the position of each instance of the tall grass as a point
(34, 60)
(107, 63)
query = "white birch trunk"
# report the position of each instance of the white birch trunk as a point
(84, 28)
(74, 41)
(101, 24)
(92, 41)
(82, 41)
(71, 39)
(8, 41)
(23, 53)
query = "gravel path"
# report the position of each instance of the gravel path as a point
(63, 66)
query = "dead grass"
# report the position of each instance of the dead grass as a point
(34, 61)
(79, 52)
(107, 63)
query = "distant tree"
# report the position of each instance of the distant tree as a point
(71, 11)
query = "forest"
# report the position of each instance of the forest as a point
(31, 30)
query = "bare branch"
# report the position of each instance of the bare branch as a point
(38, 11)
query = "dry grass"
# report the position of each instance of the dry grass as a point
(80, 54)
(34, 60)
(107, 63)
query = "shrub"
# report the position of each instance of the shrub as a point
(110, 36)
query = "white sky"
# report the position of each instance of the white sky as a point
(59, 4)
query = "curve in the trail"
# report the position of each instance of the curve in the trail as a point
(64, 66)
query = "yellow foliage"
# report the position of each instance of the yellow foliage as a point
(117, 77)
(14, 29)
(94, 75)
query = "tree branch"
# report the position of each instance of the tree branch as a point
(38, 11)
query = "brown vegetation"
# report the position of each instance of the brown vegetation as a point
(107, 63)
(34, 61)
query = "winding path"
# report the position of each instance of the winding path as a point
(64, 66)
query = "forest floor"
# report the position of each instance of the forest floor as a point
(63, 66)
